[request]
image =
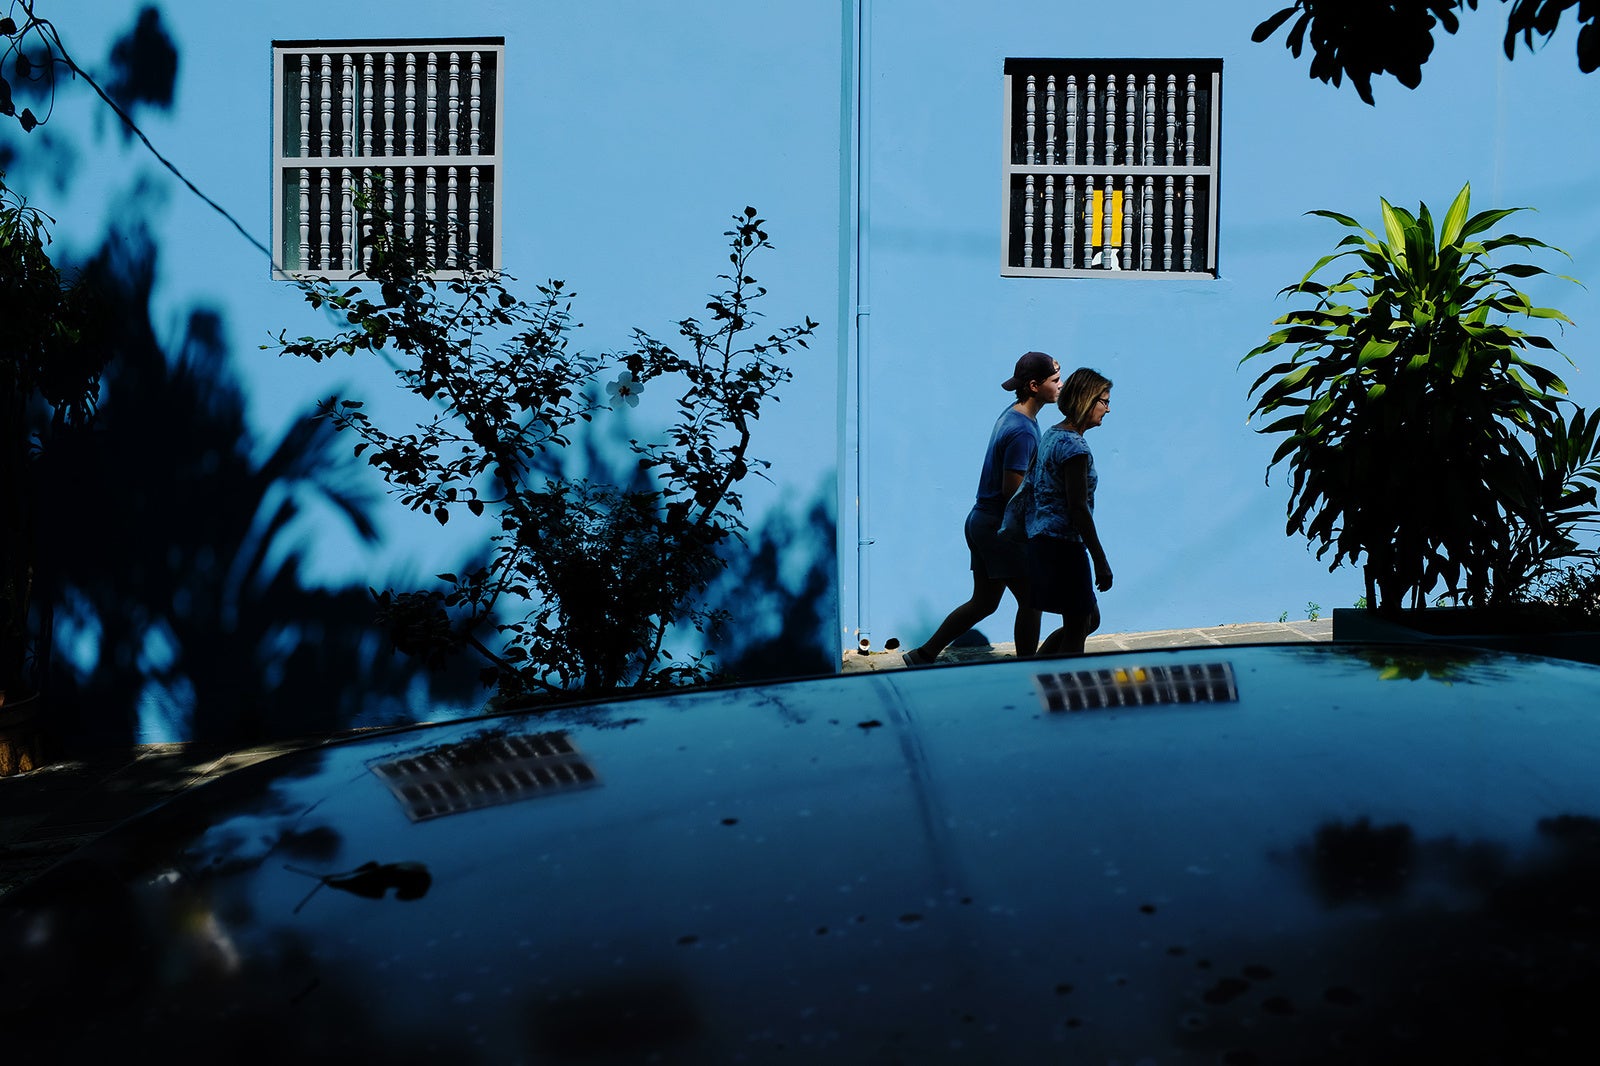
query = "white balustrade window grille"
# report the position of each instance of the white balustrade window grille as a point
(484, 771)
(1111, 165)
(417, 121)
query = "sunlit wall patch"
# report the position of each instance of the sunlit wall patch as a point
(1134, 686)
(485, 771)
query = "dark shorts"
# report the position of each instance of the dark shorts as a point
(1061, 577)
(992, 556)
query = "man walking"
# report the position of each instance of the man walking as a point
(997, 564)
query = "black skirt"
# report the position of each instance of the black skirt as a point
(1060, 576)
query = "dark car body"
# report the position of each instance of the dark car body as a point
(1307, 853)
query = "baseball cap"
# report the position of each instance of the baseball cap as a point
(1033, 366)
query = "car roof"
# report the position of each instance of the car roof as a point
(1191, 853)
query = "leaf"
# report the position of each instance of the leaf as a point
(1270, 25)
(1304, 285)
(1484, 220)
(1285, 449)
(1345, 220)
(1287, 384)
(1522, 270)
(1321, 407)
(1394, 226)
(1376, 349)
(1287, 424)
(1455, 218)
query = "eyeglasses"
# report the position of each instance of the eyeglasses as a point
(1103, 399)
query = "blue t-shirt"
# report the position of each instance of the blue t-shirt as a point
(1011, 447)
(1050, 515)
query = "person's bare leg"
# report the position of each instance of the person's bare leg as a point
(1074, 631)
(1026, 631)
(1068, 640)
(985, 599)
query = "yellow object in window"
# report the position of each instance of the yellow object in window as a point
(1097, 219)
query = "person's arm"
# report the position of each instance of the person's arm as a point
(1075, 480)
(1015, 457)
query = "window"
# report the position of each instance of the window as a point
(485, 770)
(1111, 165)
(416, 121)
(1134, 686)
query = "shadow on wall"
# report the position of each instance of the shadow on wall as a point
(781, 598)
(171, 560)
(778, 590)
(169, 556)
(173, 557)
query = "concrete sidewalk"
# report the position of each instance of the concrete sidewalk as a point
(1234, 633)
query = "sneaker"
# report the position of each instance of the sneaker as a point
(918, 657)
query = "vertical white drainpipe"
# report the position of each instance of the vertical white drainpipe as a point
(854, 362)
(863, 322)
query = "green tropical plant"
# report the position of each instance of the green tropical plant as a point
(1573, 590)
(584, 579)
(1422, 439)
(1567, 457)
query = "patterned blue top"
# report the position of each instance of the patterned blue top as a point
(1049, 515)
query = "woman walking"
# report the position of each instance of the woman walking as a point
(997, 564)
(1062, 539)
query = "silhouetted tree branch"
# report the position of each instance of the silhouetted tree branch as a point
(1362, 38)
(146, 68)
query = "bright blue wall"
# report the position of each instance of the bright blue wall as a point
(635, 128)
(1194, 535)
(633, 132)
